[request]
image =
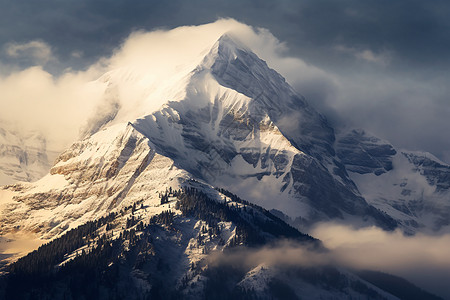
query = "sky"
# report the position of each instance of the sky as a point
(379, 65)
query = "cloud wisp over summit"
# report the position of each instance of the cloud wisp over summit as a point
(375, 65)
(59, 105)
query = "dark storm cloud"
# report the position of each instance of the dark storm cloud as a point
(364, 44)
(416, 31)
(79, 31)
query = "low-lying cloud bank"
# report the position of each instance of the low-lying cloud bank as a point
(421, 259)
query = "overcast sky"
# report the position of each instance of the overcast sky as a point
(388, 61)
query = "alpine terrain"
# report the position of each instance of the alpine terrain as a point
(23, 158)
(164, 195)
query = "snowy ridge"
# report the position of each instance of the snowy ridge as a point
(90, 179)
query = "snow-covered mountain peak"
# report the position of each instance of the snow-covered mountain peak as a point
(223, 68)
(135, 89)
(223, 117)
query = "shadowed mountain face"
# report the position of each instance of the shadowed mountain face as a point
(365, 154)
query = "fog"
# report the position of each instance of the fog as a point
(421, 259)
(35, 100)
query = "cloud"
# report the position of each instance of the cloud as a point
(421, 259)
(38, 51)
(59, 105)
(415, 30)
(383, 58)
(282, 253)
(35, 100)
(391, 106)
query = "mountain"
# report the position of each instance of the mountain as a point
(412, 187)
(226, 119)
(23, 157)
(234, 122)
(152, 192)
